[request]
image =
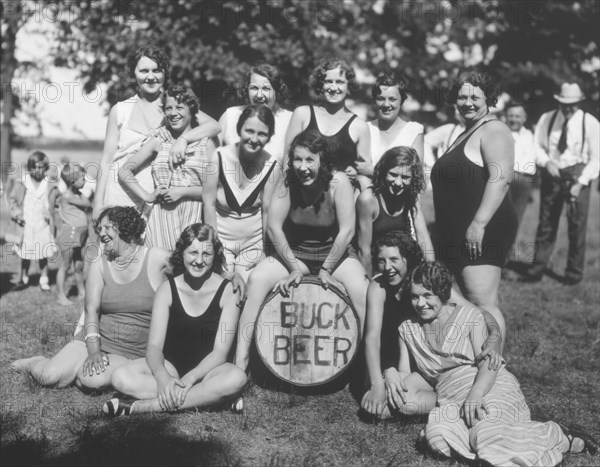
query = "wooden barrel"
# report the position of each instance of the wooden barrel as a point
(310, 337)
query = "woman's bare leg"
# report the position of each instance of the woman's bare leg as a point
(352, 275)
(220, 383)
(261, 281)
(59, 371)
(479, 285)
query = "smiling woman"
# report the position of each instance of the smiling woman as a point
(175, 200)
(390, 129)
(473, 209)
(118, 303)
(311, 222)
(238, 193)
(131, 121)
(186, 360)
(347, 135)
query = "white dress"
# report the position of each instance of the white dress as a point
(275, 146)
(38, 240)
(405, 137)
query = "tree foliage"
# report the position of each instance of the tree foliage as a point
(529, 46)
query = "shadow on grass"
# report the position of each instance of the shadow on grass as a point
(144, 440)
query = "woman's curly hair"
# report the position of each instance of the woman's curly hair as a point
(314, 142)
(434, 276)
(401, 156)
(202, 233)
(182, 95)
(478, 79)
(127, 221)
(388, 79)
(275, 78)
(407, 246)
(317, 77)
(153, 53)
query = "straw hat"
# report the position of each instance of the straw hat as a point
(569, 94)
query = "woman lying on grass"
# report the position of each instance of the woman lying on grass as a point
(194, 321)
(119, 292)
(481, 413)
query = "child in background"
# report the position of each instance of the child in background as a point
(34, 196)
(72, 233)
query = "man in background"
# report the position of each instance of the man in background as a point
(569, 145)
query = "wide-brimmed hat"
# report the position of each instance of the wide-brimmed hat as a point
(569, 94)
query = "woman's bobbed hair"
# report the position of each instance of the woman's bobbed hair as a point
(275, 78)
(183, 95)
(262, 112)
(434, 276)
(401, 156)
(388, 79)
(478, 79)
(317, 77)
(153, 53)
(202, 233)
(127, 221)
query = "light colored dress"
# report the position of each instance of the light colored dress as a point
(166, 223)
(276, 144)
(38, 239)
(130, 141)
(405, 137)
(506, 436)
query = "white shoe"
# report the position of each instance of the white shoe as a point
(44, 284)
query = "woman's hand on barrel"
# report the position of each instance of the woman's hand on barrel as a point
(167, 392)
(284, 285)
(95, 363)
(374, 400)
(327, 280)
(395, 388)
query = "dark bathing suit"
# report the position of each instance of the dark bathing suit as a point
(343, 149)
(458, 186)
(190, 339)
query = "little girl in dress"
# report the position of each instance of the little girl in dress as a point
(32, 201)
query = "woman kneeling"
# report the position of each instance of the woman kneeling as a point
(193, 326)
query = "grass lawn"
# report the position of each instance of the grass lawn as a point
(552, 347)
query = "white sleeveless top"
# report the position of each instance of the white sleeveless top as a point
(405, 137)
(276, 144)
(130, 141)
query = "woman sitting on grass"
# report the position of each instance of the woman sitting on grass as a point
(118, 304)
(194, 320)
(481, 413)
(388, 305)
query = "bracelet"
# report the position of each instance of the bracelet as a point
(90, 335)
(327, 270)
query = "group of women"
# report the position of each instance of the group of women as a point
(283, 195)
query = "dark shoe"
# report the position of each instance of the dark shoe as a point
(571, 280)
(20, 286)
(591, 444)
(117, 407)
(530, 278)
